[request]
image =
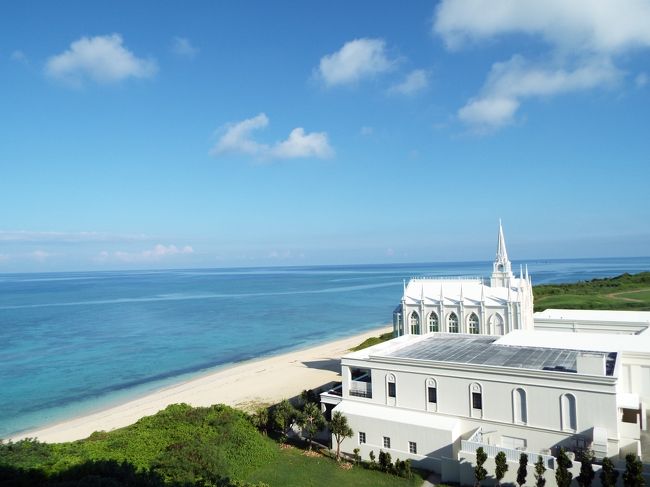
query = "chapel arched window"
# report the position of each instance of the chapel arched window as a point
(452, 321)
(433, 322)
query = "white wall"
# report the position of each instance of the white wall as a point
(432, 443)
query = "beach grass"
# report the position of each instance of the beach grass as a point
(369, 342)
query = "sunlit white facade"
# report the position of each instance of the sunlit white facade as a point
(457, 378)
(468, 305)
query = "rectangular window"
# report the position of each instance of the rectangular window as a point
(386, 442)
(362, 437)
(391, 389)
(433, 395)
(477, 400)
(629, 415)
(413, 447)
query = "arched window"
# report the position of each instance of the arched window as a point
(414, 321)
(519, 406)
(391, 390)
(569, 413)
(496, 323)
(476, 400)
(473, 324)
(452, 321)
(432, 391)
(433, 322)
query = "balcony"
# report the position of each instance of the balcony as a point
(360, 388)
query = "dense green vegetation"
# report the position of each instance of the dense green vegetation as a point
(180, 446)
(624, 292)
(369, 342)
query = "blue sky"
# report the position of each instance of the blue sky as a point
(165, 134)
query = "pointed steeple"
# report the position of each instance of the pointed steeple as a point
(442, 296)
(482, 293)
(501, 268)
(462, 298)
(422, 293)
(502, 253)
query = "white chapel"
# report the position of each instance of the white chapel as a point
(468, 304)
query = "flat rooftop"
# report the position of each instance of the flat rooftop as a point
(603, 316)
(484, 350)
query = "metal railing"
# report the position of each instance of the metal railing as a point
(447, 278)
(360, 389)
(512, 454)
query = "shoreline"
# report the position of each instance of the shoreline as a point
(263, 380)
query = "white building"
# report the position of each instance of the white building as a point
(561, 378)
(468, 305)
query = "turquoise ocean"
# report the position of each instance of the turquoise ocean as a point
(73, 343)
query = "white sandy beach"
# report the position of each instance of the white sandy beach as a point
(266, 380)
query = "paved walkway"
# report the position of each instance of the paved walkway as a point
(432, 480)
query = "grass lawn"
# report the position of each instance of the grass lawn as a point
(294, 469)
(641, 295)
(624, 292)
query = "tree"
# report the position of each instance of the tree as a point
(633, 475)
(501, 467)
(307, 396)
(260, 419)
(357, 456)
(479, 472)
(608, 474)
(373, 464)
(587, 473)
(385, 461)
(540, 481)
(341, 430)
(284, 416)
(311, 420)
(408, 473)
(522, 471)
(562, 475)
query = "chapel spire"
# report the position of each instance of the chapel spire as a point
(501, 269)
(502, 253)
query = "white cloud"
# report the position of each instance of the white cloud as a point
(300, 144)
(44, 237)
(40, 255)
(596, 26)
(182, 46)
(366, 131)
(357, 59)
(237, 138)
(641, 80)
(19, 56)
(511, 81)
(158, 252)
(4, 257)
(103, 59)
(584, 37)
(415, 82)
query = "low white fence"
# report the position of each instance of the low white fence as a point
(512, 455)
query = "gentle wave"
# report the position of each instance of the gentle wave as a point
(188, 297)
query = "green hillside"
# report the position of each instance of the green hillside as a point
(181, 446)
(624, 292)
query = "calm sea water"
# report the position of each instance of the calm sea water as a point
(72, 343)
